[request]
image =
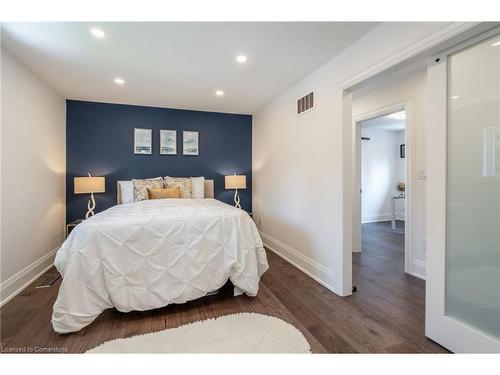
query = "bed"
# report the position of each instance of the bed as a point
(148, 254)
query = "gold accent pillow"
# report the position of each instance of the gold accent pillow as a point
(141, 187)
(183, 183)
(164, 193)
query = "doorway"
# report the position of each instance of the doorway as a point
(440, 325)
(383, 165)
(383, 187)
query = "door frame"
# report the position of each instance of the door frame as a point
(449, 35)
(453, 334)
(357, 167)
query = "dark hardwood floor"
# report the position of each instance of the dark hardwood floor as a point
(385, 315)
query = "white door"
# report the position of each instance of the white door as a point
(463, 256)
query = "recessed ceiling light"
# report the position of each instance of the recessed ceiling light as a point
(241, 59)
(496, 44)
(455, 97)
(219, 92)
(98, 33)
(119, 81)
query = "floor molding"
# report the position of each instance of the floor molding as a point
(21, 280)
(379, 218)
(418, 268)
(310, 267)
(376, 218)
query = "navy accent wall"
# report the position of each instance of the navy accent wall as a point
(100, 140)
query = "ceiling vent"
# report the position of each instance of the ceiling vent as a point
(306, 103)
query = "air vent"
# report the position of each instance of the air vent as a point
(305, 103)
(47, 280)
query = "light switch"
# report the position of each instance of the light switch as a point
(422, 174)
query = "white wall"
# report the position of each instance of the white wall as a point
(412, 89)
(381, 170)
(297, 159)
(33, 167)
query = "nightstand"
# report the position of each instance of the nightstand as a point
(71, 226)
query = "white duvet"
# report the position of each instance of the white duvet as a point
(149, 254)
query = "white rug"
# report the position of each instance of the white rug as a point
(236, 333)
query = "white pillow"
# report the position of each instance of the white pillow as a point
(197, 187)
(127, 191)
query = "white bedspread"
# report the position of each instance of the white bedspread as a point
(149, 254)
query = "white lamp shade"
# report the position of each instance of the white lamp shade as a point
(86, 185)
(236, 182)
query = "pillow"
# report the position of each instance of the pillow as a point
(183, 183)
(164, 193)
(209, 189)
(126, 191)
(197, 187)
(141, 187)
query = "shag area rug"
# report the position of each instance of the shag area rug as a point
(235, 333)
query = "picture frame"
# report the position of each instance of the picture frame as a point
(143, 141)
(168, 142)
(190, 143)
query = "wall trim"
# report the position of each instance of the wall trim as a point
(315, 270)
(449, 31)
(376, 218)
(379, 218)
(21, 280)
(418, 268)
(346, 138)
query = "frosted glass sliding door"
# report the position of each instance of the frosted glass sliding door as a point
(472, 271)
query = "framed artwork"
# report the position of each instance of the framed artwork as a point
(190, 143)
(143, 144)
(168, 142)
(402, 151)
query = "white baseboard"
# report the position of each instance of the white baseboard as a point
(378, 218)
(375, 218)
(310, 267)
(18, 282)
(418, 268)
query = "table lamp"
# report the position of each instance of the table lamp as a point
(86, 185)
(236, 182)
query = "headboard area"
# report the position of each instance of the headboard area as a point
(224, 148)
(127, 188)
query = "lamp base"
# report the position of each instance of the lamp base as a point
(90, 207)
(236, 199)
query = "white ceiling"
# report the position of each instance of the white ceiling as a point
(179, 65)
(386, 122)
